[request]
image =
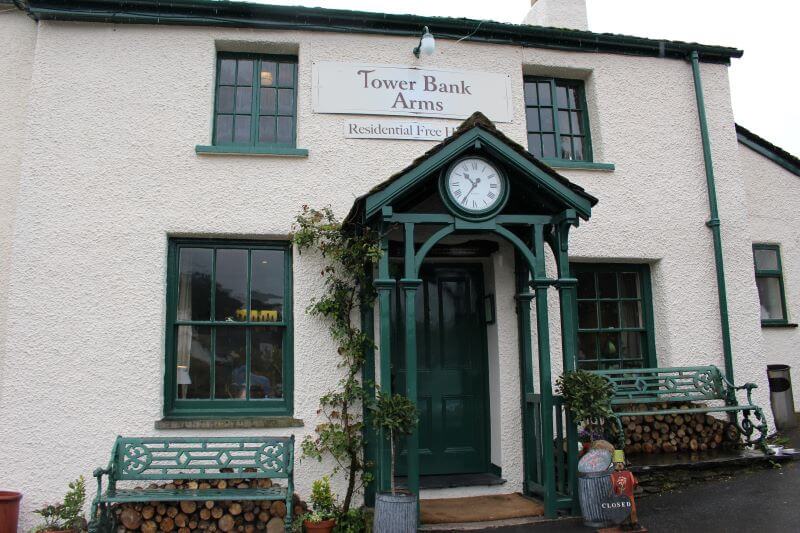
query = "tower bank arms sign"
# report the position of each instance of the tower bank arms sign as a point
(363, 89)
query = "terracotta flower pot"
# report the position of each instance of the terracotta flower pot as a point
(326, 526)
(9, 511)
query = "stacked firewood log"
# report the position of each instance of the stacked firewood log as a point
(227, 516)
(681, 432)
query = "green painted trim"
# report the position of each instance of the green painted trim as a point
(770, 151)
(376, 201)
(778, 324)
(251, 15)
(777, 273)
(495, 470)
(579, 165)
(368, 379)
(225, 409)
(262, 422)
(241, 149)
(713, 222)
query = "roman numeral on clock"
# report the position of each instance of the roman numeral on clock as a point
(458, 193)
(491, 195)
(492, 185)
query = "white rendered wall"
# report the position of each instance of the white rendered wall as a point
(773, 205)
(109, 172)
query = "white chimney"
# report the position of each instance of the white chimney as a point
(558, 14)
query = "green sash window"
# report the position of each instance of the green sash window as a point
(558, 125)
(615, 316)
(229, 326)
(256, 100)
(769, 279)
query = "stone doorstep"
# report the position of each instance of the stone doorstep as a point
(493, 524)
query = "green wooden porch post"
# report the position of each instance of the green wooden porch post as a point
(524, 296)
(540, 285)
(410, 283)
(384, 284)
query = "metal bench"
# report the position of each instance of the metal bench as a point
(673, 385)
(170, 458)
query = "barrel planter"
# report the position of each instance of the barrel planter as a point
(395, 513)
(593, 490)
(9, 511)
(325, 526)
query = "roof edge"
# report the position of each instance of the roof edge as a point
(265, 16)
(772, 152)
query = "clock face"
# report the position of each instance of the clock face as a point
(475, 185)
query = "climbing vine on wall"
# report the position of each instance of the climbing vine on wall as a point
(349, 255)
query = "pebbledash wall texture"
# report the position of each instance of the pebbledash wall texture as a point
(103, 170)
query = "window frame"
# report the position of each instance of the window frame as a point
(255, 104)
(175, 408)
(766, 273)
(588, 154)
(649, 356)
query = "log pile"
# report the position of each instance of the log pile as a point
(671, 433)
(226, 516)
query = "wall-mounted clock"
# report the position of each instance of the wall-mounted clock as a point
(474, 186)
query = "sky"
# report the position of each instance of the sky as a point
(765, 29)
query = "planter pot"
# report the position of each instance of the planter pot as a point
(9, 511)
(326, 526)
(395, 513)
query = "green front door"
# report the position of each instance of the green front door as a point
(452, 370)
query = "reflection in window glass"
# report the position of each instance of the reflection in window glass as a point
(769, 280)
(194, 284)
(266, 360)
(193, 369)
(231, 285)
(565, 116)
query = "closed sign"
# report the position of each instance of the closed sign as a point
(410, 91)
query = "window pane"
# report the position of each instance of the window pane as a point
(268, 103)
(544, 94)
(563, 122)
(586, 287)
(194, 284)
(607, 281)
(769, 293)
(266, 130)
(286, 101)
(766, 259)
(193, 362)
(266, 292)
(225, 100)
(631, 344)
(244, 97)
(561, 96)
(587, 315)
(573, 98)
(241, 132)
(244, 76)
(231, 363)
(285, 130)
(546, 117)
(609, 315)
(609, 345)
(531, 98)
(629, 285)
(266, 363)
(548, 145)
(575, 118)
(532, 118)
(231, 285)
(224, 129)
(535, 144)
(631, 314)
(577, 148)
(268, 73)
(587, 345)
(566, 147)
(227, 71)
(286, 74)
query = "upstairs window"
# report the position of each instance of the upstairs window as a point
(256, 100)
(558, 127)
(769, 279)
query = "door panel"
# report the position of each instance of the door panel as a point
(451, 376)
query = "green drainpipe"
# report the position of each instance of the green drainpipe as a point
(713, 221)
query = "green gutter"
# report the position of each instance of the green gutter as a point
(713, 221)
(263, 16)
(774, 153)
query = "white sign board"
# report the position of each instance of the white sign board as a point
(397, 129)
(410, 91)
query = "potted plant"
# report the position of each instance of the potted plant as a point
(323, 503)
(396, 415)
(588, 398)
(66, 516)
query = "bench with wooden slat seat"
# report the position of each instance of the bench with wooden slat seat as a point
(189, 458)
(678, 385)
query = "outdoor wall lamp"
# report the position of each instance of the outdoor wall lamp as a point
(427, 44)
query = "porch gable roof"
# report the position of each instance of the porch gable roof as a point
(475, 130)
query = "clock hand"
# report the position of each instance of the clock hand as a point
(464, 201)
(469, 180)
